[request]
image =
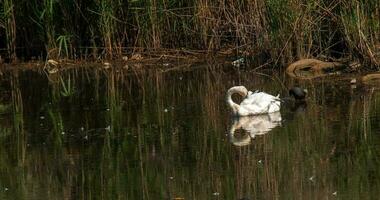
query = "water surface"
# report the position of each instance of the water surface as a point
(92, 133)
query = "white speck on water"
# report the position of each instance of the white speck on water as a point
(215, 193)
(335, 193)
(165, 110)
(108, 128)
(180, 78)
(166, 64)
(260, 161)
(82, 128)
(6, 189)
(41, 124)
(86, 137)
(63, 133)
(171, 178)
(42, 117)
(108, 109)
(311, 178)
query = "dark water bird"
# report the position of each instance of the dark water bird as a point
(298, 93)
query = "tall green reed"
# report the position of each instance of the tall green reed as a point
(361, 28)
(8, 22)
(278, 31)
(44, 17)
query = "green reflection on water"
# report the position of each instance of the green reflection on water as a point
(157, 134)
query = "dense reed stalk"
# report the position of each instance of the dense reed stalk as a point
(7, 21)
(361, 26)
(279, 31)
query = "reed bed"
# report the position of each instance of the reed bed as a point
(277, 31)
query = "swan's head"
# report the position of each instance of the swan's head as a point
(241, 90)
(238, 89)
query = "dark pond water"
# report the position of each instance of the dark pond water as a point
(91, 133)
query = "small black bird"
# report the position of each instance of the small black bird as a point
(298, 93)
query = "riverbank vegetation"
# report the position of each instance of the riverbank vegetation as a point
(278, 31)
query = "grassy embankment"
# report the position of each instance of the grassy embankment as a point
(278, 31)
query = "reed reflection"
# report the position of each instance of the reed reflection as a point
(252, 126)
(157, 135)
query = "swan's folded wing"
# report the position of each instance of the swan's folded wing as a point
(261, 102)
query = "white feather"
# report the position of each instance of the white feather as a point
(255, 103)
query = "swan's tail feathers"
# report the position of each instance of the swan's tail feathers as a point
(277, 98)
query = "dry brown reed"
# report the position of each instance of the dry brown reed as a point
(276, 31)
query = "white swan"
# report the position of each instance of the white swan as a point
(255, 103)
(253, 125)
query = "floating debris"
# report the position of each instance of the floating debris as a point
(171, 178)
(52, 62)
(335, 193)
(53, 70)
(215, 193)
(85, 137)
(136, 56)
(6, 189)
(239, 62)
(82, 128)
(125, 58)
(166, 110)
(166, 64)
(63, 133)
(260, 161)
(42, 117)
(106, 65)
(311, 178)
(108, 128)
(52, 66)
(313, 68)
(353, 81)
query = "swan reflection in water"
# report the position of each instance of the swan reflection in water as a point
(252, 126)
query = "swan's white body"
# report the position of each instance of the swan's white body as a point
(255, 103)
(253, 125)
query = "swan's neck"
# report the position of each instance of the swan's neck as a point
(234, 106)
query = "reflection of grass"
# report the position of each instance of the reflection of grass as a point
(68, 88)
(4, 132)
(153, 154)
(5, 108)
(57, 123)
